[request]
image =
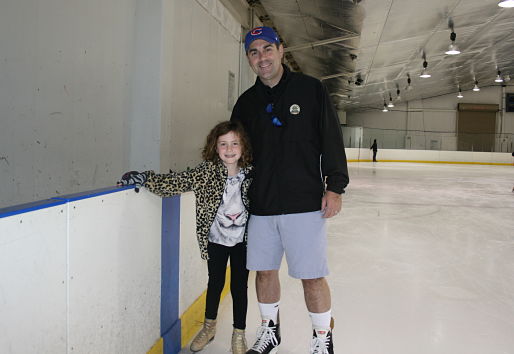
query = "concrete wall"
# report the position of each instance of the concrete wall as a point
(66, 76)
(424, 124)
(89, 90)
(204, 57)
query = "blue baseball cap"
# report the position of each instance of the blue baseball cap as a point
(264, 33)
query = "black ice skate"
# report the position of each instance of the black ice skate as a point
(322, 342)
(268, 338)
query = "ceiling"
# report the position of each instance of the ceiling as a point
(365, 50)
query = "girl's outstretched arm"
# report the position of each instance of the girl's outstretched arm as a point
(168, 184)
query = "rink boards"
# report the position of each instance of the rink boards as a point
(104, 271)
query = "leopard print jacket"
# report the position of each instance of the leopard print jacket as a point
(207, 181)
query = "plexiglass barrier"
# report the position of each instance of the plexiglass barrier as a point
(360, 137)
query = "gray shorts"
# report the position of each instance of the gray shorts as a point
(301, 236)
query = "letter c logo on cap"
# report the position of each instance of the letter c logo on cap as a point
(256, 31)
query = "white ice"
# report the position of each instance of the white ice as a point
(421, 260)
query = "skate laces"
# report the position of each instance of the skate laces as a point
(203, 335)
(206, 332)
(319, 345)
(265, 336)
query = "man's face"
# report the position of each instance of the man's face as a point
(265, 59)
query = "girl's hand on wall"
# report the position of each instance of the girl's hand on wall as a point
(133, 178)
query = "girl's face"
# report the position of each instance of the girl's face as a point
(228, 148)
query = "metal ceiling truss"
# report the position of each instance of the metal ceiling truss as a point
(369, 48)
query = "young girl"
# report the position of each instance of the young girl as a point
(220, 184)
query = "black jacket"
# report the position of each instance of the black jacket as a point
(292, 160)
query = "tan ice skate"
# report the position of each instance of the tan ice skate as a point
(239, 341)
(205, 336)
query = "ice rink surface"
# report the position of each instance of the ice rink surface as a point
(421, 260)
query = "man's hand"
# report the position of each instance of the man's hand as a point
(331, 204)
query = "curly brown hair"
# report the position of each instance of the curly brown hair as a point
(209, 152)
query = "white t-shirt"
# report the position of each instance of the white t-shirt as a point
(228, 228)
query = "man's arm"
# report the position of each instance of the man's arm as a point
(333, 156)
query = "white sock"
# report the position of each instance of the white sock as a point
(321, 320)
(269, 311)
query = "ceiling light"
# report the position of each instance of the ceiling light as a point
(506, 78)
(452, 48)
(506, 3)
(385, 108)
(460, 94)
(476, 88)
(398, 94)
(424, 72)
(498, 77)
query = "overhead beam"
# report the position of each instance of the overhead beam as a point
(323, 42)
(345, 74)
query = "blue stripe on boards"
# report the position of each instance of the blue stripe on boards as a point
(47, 203)
(170, 253)
(28, 207)
(93, 193)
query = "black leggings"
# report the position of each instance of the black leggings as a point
(217, 266)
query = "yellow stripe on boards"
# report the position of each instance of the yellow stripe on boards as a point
(192, 319)
(446, 162)
(158, 347)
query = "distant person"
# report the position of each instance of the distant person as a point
(374, 147)
(300, 174)
(220, 184)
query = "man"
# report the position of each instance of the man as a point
(297, 150)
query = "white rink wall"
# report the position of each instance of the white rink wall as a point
(193, 270)
(82, 276)
(399, 155)
(106, 271)
(33, 278)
